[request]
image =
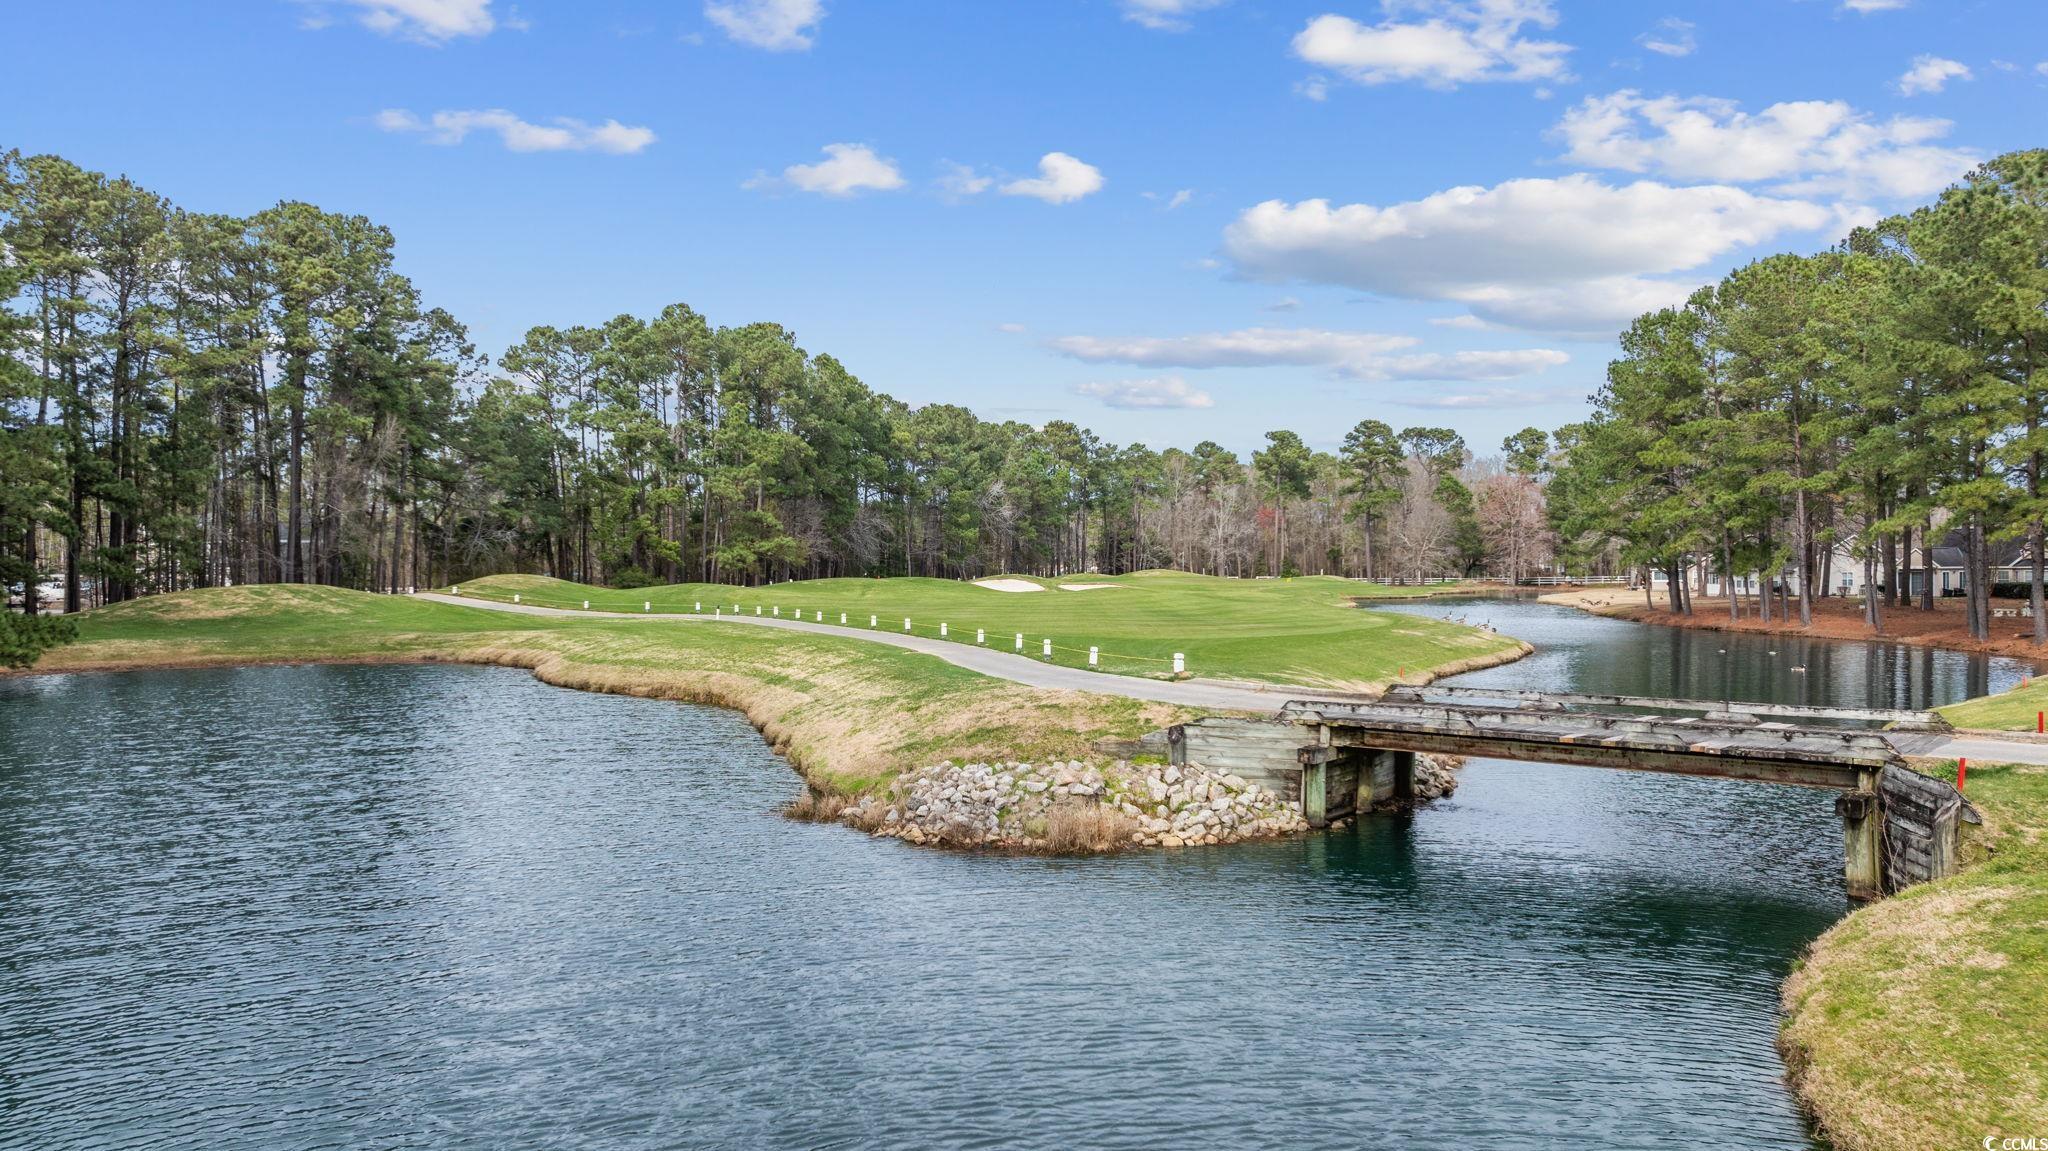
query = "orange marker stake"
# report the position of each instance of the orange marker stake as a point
(1962, 771)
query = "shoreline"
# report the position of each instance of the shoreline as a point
(890, 811)
(1831, 622)
(862, 747)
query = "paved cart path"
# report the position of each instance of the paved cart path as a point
(1203, 693)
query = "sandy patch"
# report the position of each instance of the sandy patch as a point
(1087, 586)
(1007, 585)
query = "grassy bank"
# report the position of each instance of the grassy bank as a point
(2013, 710)
(1917, 1022)
(1301, 631)
(850, 715)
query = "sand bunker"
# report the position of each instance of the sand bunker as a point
(1087, 586)
(1007, 585)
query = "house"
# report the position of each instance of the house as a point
(2011, 561)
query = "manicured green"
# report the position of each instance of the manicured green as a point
(1295, 631)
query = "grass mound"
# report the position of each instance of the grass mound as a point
(1917, 1022)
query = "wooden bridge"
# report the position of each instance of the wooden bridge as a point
(1344, 758)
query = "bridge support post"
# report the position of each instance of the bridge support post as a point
(1862, 839)
(1315, 796)
(1368, 776)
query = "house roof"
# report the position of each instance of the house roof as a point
(2004, 553)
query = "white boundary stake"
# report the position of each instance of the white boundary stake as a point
(586, 605)
(735, 609)
(821, 617)
(942, 631)
(872, 623)
(778, 611)
(1092, 653)
(757, 609)
(457, 589)
(842, 619)
(906, 623)
(1048, 648)
(717, 613)
(1180, 663)
(646, 605)
(515, 597)
(1020, 641)
(699, 608)
(981, 636)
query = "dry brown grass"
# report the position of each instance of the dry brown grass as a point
(1078, 827)
(815, 806)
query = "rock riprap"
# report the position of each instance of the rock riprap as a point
(1081, 807)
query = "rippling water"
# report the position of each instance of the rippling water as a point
(453, 907)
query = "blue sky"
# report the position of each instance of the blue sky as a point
(1169, 220)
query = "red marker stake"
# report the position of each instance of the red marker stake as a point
(1962, 771)
(2041, 723)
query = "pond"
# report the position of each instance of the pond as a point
(454, 907)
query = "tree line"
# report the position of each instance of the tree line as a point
(1874, 401)
(191, 400)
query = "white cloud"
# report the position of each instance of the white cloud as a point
(1315, 88)
(960, 180)
(1061, 179)
(1671, 37)
(1180, 199)
(1489, 398)
(1146, 395)
(1355, 355)
(1806, 147)
(1014, 329)
(1283, 304)
(1931, 74)
(775, 25)
(1166, 15)
(1463, 321)
(425, 21)
(1570, 254)
(1868, 6)
(1456, 42)
(846, 169)
(2042, 68)
(560, 134)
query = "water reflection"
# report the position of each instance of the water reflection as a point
(1578, 651)
(452, 907)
